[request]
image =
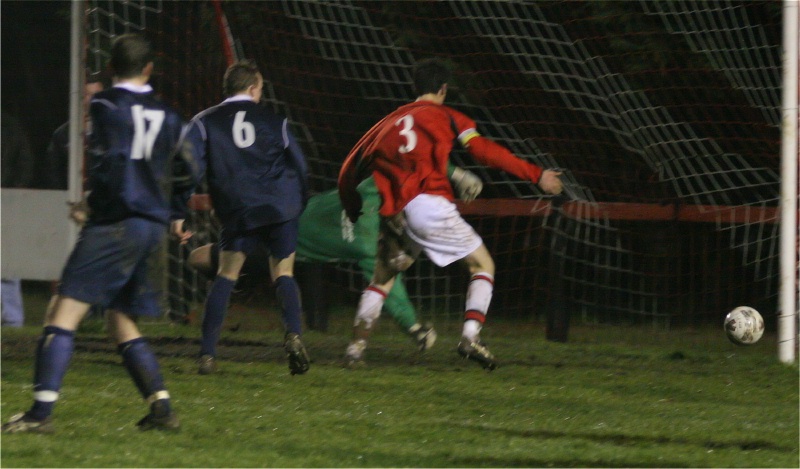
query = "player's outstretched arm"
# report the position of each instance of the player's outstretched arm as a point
(490, 153)
(495, 155)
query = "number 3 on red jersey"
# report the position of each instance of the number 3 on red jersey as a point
(407, 131)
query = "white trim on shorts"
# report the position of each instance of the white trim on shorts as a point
(436, 226)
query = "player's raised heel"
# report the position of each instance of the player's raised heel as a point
(299, 362)
(22, 423)
(159, 418)
(424, 336)
(208, 365)
(478, 352)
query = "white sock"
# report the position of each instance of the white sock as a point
(479, 295)
(471, 330)
(355, 350)
(370, 305)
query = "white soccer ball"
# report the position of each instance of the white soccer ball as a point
(744, 325)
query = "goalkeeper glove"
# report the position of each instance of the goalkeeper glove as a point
(467, 185)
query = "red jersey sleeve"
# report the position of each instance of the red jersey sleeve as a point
(347, 183)
(354, 170)
(498, 156)
(489, 153)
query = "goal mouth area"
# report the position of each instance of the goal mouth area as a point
(629, 263)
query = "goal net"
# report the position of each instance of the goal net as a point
(664, 115)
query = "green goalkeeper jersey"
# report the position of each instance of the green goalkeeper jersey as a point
(327, 235)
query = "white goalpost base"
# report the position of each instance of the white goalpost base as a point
(37, 234)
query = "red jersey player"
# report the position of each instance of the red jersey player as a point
(407, 153)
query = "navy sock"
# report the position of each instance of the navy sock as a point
(142, 365)
(216, 307)
(53, 354)
(289, 299)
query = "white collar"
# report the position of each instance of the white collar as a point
(134, 88)
(239, 97)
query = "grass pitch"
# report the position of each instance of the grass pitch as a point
(610, 397)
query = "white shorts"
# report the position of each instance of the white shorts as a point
(435, 226)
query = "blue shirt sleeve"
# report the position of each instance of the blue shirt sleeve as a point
(189, 165)
(297, 159)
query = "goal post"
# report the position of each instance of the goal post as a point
(788, 309)
(76, 84)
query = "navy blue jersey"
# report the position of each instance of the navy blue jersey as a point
(131, 150)
(256, 171)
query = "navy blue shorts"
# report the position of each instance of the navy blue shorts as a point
(280, 239)
(118, 266)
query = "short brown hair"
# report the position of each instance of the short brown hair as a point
(239, 76)
(130, 54)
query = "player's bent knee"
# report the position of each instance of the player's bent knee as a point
(122, 327)
(199, 259)
(480, 261)
(67, 313)
(230, 264)
(393, 256)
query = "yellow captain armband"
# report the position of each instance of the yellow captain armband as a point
(467, 135)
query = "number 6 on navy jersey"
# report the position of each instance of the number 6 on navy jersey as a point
(244, 133)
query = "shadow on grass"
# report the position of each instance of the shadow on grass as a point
(629, 440)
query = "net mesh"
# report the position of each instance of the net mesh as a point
(664, 114)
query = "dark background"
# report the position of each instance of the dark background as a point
(35, 66)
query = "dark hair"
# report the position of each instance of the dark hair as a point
(430, 75)
(239, 76)
(130, 53)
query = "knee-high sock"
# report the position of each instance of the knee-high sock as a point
(216, 307)
(53, 354)
(288, 295)
(370, 305)
(479, 295)
(142, 366)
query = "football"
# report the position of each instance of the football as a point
(744, 325)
